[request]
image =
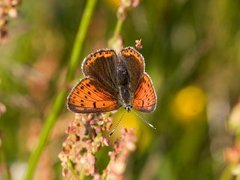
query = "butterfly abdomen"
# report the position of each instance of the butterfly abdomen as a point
(123, 81)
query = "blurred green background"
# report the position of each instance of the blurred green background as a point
(192, 53)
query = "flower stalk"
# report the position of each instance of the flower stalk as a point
(86, 137)
(8, 10)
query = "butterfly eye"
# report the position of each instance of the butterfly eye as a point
(128, 108)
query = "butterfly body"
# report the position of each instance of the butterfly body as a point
(124, 85)
(113, 80)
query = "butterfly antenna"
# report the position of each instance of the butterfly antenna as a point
(118, 122)
(143, 120)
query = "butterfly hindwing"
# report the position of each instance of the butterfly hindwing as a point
(89, 96)
(145, 98)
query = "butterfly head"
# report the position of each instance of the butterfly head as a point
(128, 108)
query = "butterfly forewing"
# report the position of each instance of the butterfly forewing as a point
(135, 64)
(145, 98)
(89, 96)
(101, 67)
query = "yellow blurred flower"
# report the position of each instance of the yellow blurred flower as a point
(188, 104)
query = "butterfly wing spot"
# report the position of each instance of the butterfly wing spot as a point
(89, 93)
(94, 104)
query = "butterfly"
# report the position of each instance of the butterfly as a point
(113, 80)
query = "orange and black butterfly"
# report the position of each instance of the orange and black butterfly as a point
(113, 80)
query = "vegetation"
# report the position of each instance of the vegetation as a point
(191, 51)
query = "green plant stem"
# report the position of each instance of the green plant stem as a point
(82, 31)
(60, 99)
(74, 173)
(116, 33)
(50, 121)
(118, 27)
(5, 169)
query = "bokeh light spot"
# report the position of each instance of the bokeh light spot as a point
(189, 103)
